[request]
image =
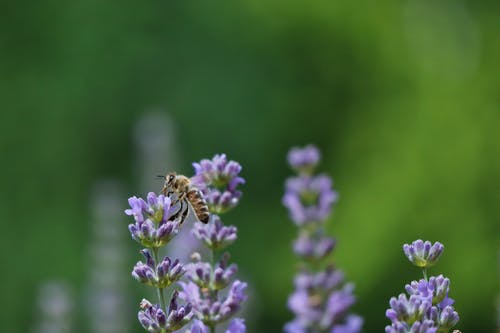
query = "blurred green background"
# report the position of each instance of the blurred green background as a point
(402, 97)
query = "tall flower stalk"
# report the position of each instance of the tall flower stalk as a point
(321, 300)
(426, 308)
(211, 289)
(156, 222)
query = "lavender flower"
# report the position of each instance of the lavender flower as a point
(215, 235)
(423, 254)
(161, 275)
(304, 160)
(428, 309)
(435, 290)
(309, 199)
(155, 320)
(156, 220)
(218, 180)
(207, 284)
(321, 300)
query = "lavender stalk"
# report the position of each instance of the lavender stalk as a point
(321, 300)
(156, 222)
(211, 287)
(426, 308)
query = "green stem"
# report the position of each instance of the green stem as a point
(424, 271)
(161, 294)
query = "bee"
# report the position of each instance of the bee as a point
(186, 193)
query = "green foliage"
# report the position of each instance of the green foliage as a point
(401, 97)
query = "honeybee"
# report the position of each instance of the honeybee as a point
(186, 193)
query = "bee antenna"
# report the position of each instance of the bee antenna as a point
(160, 176)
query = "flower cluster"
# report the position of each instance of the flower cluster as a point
(308, 197)
(161, 275)
(211, 287)
(427, 307)
(423, 254)
(155, 320)
(218, 180)
(156, 222)
(321, 300)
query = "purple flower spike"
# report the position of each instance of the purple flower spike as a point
(423, 254)
(428, 308)
(321, 300)
(215, 235)
(304, 160)
(218, 180)
(156, 221)
(309, 199)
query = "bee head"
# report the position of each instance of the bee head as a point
(169, 178)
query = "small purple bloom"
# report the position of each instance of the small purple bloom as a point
(213, 311)
(197, 327)
(178, 316)
(309, 199)
(407, 309)
(313, 249)
(337, 305)
(427, 326)
(156, 220)
(294, 327)
(215, 235)
(155, 320)
(448, 318)
(237, 325)
(423, 254)
(352, 324)
(325, 280)
(306, 307)
(202, 275)
(218, 180)
(435, 290)
(304, 160)
(161, 275)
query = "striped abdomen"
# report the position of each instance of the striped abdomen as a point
(199, 205)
